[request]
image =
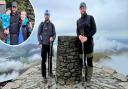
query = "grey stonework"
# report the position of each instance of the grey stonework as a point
(2, 9)
(68, 64)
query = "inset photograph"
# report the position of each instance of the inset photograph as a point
(16, 21)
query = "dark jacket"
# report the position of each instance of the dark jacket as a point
(86, 26)
(25, 30)
(45, 31)
(14, 23)
(14, 28)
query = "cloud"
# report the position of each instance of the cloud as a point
(110, 16)
(103, 44)
(11, 76)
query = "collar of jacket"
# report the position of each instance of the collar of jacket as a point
(84, 15)
(47, 21)
(14, 14)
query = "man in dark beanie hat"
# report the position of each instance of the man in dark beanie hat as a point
(86, 28)
(46, 36)
(14, 24)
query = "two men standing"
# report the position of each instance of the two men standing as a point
(86, 28)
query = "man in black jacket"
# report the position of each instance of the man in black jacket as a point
(46, 37)
(14, 24)
(86, 28)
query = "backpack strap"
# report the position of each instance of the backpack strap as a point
(42, 25)
(52, 27)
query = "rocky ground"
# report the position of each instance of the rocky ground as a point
(103, 78)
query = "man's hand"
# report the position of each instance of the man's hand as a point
(30, 25)
(83, 38)
(40, 45)
(80, 37)
(6, 31)
(51, 39)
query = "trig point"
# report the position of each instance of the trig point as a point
(68, 66)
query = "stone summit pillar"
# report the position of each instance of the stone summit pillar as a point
(68, 65)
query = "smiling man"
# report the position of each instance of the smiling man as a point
(14, 24)
(86, 28)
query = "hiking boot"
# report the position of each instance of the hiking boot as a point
(84, 84)
(44, 80)
(51, 75)
(88, 83)
(89, 73)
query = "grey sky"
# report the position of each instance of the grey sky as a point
(110, 15)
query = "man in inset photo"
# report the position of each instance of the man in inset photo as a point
(46, 37)
(14, 24)
(86, 28)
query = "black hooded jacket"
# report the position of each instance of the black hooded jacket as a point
(86, 26)
(14, 23)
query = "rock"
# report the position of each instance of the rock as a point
(98, 66)
(120, 77)
(108, 70)
(124, 85)
(12, 85)
(108, 86)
